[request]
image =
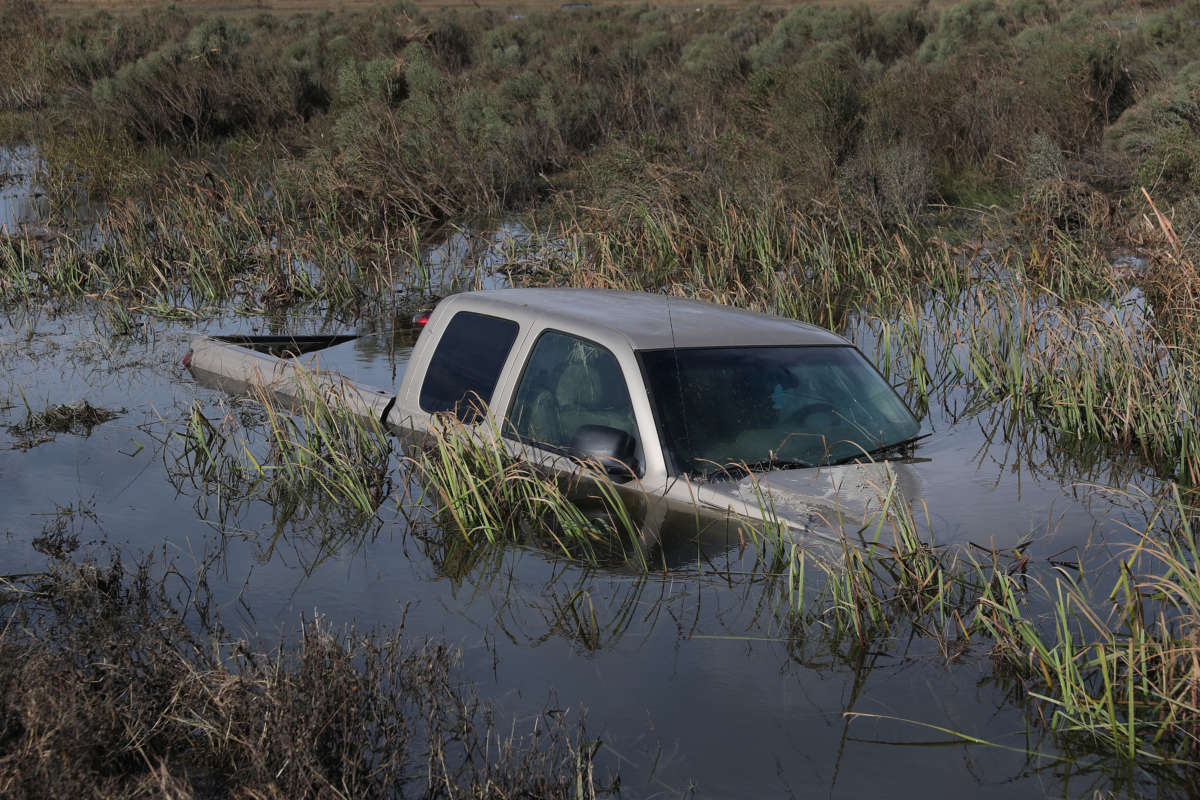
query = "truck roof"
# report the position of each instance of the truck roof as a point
(644, 321)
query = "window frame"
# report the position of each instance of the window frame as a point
(485, 403)
(508, 431)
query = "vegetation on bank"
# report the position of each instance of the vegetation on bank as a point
(161, 701)
(394, 114)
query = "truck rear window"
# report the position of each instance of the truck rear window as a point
(466, 364)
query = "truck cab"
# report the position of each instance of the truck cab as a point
(698, 404)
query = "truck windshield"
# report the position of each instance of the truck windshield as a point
(771, 406)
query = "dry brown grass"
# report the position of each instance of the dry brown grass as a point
(110, 687)
(1173, 279)
(304, 6)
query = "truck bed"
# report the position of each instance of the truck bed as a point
(376, 359)
(363, 373)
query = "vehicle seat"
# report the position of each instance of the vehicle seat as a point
(541, 422)
(585, 399)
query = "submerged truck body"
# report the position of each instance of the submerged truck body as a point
(687, 407)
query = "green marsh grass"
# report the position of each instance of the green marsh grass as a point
(311, 459)
(883, 576)
(1114, 666)
(203, 244)
(1107, 664)
(488, 495)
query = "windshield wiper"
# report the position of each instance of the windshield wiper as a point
(882, 450)
(739, 468)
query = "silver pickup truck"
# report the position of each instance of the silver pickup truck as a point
(687, 405)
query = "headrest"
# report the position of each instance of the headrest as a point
(578, 386)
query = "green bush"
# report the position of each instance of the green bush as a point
(1175, 106)
(711, 60)
(817, 103)
(888, 180)
(788, 39)
(451, 44)
(503, 48)
(421, 74)
(439, 112)
(97, 45)
(898, 33)
(968, 24)
(1171, 168)
(209, 85)
(576, 114)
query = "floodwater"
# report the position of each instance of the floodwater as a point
(21, 203)
(692, 678)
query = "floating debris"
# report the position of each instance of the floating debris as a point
(78, 418)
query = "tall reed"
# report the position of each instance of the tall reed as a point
(482, 490)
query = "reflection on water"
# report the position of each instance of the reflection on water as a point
(25, 209)
(20, 203)
(700, 671)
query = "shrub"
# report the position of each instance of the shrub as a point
(888, 181)
(711, 60)
(96, 46)
(1043, 159)
(479, 120)
(503, 48)
(750, 26)
(1171, 169)
(817, 104)
(421, 74)
(898, 33)
(451, 44)
(576, 114)
(964, 25)
(212, 84)
(1033, 12)
(790, 36)
(1057, 205)
(1175, 106)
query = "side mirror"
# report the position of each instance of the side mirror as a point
(614, 450)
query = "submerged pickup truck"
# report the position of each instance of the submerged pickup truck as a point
(687, 405)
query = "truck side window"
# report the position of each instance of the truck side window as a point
(569, 382)
(466, 364)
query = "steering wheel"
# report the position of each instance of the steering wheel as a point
(802, 413)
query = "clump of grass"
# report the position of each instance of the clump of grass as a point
(1109, 670)
(169, 703)
(327, 449)
(1091, 370)
(878, 578)
(316, 455)
(79, 419)
(1116, 670)
(1173, 280)
(489, 494)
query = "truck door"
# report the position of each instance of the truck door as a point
(571, 385)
